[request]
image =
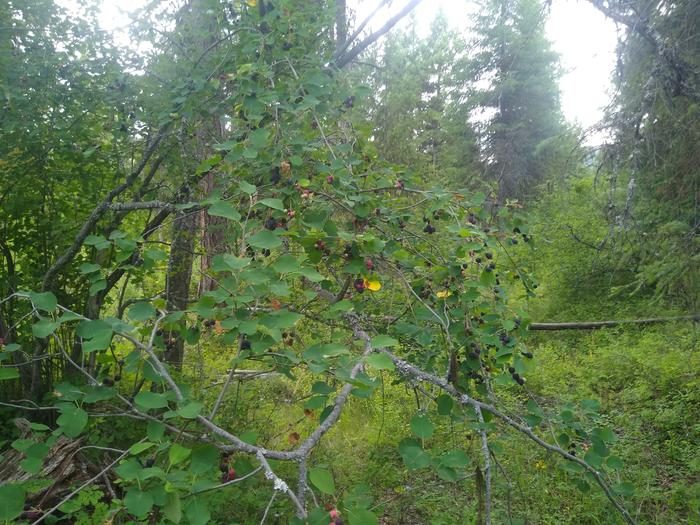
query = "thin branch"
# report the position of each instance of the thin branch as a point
(81, 487)
(345, 45)
(487, 467)
(348, 56)
(416, 373)
(280, 485)
(98, 212)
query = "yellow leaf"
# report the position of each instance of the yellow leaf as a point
(373, 285)
(443, 293)
(252, 3)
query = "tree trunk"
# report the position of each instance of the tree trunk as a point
(341, 23)
(213, 229)
(177, 281)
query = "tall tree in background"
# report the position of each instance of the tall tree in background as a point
(420, 116)
(654, 160)
(519, 106)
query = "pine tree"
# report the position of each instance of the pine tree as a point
(420, 117)
(519, 107)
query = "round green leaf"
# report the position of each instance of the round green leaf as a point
(191, 410)
(380, 362)
(455, 459)
(9, 373)
(11, 502)
(138, 503)
(225, 210)
(275, 204)
(593, 459)
(264, 239)
(173, 508)
(178, 454)
(422, 427)
(45, 301)
(72, 421)
(413, 455)
(137, 448)
(197, 512)
(151, 400)
(322, 480)
(141, 311)
(383, 341)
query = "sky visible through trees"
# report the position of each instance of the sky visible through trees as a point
(583, 37)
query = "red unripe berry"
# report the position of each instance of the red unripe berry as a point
(334, 513)
(369, 264)
(291, 214)
(231, 473)
(330, 179)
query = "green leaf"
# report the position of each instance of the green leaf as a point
(197, 512)
(322, 480)
(311, 274)
(94, 240)
(360, 516)
(151, 400)
(227, 263)
(90, 329)
(383, 341)
(455, 459)
(286, 264)
(44, 328)
(624, 489)
(246, 187)
(422, 427)
(258, 138)
(97, 286)
(593, 459)
(173, 507)
(137, 448)
(444, 405)
(191, 410)
(72, 421)
(413, 455)
(607, 435)
(129, 470)
(138, 503)
(31, 465)
(141, 311)
(315, 402)
(447, 473)
(275, 204)
(45, 301)
(177, 454)
(224, 209)
(8, 373)
(11, 502)
(590, 405)
(264, 239)
(155, 430)
(381, 362)
(614, 463)
(321, 388)
(204, 458)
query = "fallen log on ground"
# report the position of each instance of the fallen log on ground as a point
(595, 325)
